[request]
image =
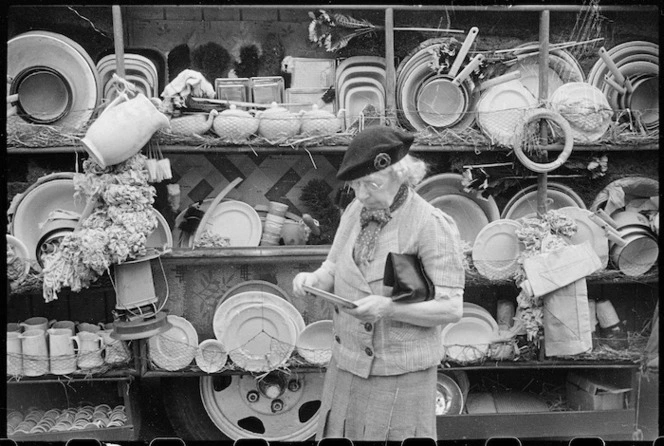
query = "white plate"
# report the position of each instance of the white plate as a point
(481, 314)
(220, 321)
(54, 51)
(588, 231)
(526, 206)
(259, 337)
(175, 348)
(236, 220)
(451, 183)
(501, 110)
(467, 340)
(211, 356)
(529, 69)
(468, 215)
(496, 250)
(315, 342)
(574, 92)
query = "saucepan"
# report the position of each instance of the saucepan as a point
(442, 99)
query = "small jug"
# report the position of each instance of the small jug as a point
(86, 326)
(122, 129)
(14, 327)
(14, 354)
(69, 325)
(116, 351)
(35, 352)
(89, 349)
(61, 350)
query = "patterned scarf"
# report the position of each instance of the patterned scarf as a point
(371, 223)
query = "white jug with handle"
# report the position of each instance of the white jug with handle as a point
(89, 349)
(116, 351)
(36, 323)
(61, 350)
(122, 129)
(14, 354)
(35, 352)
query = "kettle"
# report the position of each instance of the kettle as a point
(316, 122)
(235, 125)
(277, 123)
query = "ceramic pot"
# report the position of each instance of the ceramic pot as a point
(61, 351)
(320, 122)
(122, 129)
(193, 124)
(277, 123)
(235, 125)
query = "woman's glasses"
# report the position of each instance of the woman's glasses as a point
(371, 186)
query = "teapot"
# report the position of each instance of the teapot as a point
(320, 122)
(235, 125)
(277, 123)
(193, 124)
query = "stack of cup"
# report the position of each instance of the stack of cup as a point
(274, 220)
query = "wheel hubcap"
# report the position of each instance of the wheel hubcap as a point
(277, 407)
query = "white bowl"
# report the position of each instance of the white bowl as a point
(211, 356)
(315, 342)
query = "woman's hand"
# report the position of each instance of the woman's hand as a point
(309, 279)
(372, 308)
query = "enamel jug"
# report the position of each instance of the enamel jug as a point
(14, 354)
(89, 349)
(35, 352)
(122, 129)
(61, 351)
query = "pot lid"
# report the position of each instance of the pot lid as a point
(234, 111)
(316, 112)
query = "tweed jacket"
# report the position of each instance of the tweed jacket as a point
(391, 347)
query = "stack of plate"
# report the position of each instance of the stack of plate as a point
(258, 328)
(469, 339)
(415, 75)
(637, 61)
(470, 211)
(359, 82)
(139, 70)
(56, 80)
(524, 202)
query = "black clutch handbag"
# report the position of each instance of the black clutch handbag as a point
(406, 275)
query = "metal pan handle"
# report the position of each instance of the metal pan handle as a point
(465, 47)
(461, 77)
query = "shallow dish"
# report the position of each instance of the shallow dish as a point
(315, 342)
(468, 215)
(175, 348)
(357, 98)
(467, 340)
(526, 205)
(211, 356)
(496, 250)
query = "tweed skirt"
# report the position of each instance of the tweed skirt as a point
(378, 408)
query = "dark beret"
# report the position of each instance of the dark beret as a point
(372, 150)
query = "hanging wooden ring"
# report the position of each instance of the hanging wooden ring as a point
(542, 113)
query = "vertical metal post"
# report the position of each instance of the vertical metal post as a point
(543, 93)
(118, 39)
(390, 71)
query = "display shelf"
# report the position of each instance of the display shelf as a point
(327, 149)
(111, 375)
(523, 425)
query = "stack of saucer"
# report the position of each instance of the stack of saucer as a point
(274, 220)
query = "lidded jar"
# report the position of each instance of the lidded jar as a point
(278, 123)
(320, 122)
(235, 125)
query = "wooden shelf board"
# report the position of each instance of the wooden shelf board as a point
(114, 375)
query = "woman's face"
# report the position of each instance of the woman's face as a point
(376, 191)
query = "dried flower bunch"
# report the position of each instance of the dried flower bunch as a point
(115, 231)
(539, 235)
(334, 31)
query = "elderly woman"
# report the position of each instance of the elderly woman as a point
(381, 381)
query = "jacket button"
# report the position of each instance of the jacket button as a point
(368, 351)
(336, 309)
(368, 326)
(338, 339)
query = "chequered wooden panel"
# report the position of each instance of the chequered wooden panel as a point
(265, 177)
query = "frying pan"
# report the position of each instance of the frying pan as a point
(444, 89)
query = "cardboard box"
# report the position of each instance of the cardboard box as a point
(588, 393)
